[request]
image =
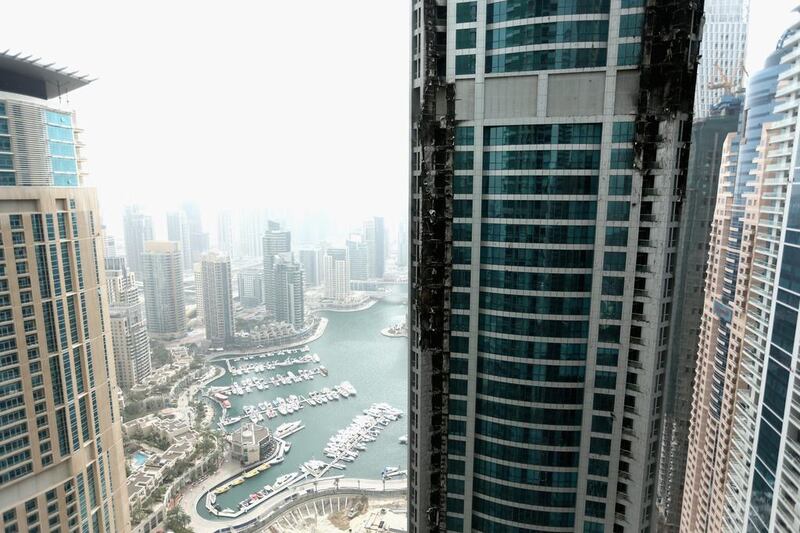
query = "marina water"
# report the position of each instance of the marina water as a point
(353, 350)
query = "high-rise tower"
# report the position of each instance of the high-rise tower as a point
(275, 242)
(217, 294)
(162, 265)
(62, 464)
(138, 228)
(722, 53)
(548, 166)
(178, 231)
(130, 340)
(290, 302)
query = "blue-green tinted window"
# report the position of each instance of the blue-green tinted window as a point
(631, 25)
(5, 144)
(533, 415)
(551, 32)
(458, 386)
(459, 344)
(537, 233)
(520, 9)
(57, 133)
(619, 185)
(629, 54)
(463, 160)
(560, 351)
(542, 160)
(462, 208)
(534, 304)
(633, 3)
(616, 236)
(590, 133)
(602, 424)
(546, 60)
(461, 278)
(467, 12)
(536, 372)
(596, 509)
(607, 356)
(63, 165)
(605, 380)
(538, 209)
(593, 527)
(618, 211)
(462, 184)
(456, 447)
(608, 333)
(465, 136)
(525, 435)
(4, 126)
(58, 119)
(613, 286)
(462, 255)
(465, 38)
(614, 261)
(540, 184)
(598, 467)
(465, 64)
(8, 178)
(523, 476)
(599, 446)
(462, 232)
(457, 427)
(622, 158)
(2, 108)
(459, 365)
(534, 327)
(596, 488)
(536, 281)
(455, 523)
(459, 322)
(623, 132)
(611, 310)
(6, 162)
(536, 257)
(526, 456)
(62, 149)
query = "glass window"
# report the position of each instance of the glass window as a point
(631, 25)
(629, 54)
(599, 446)
(610, 310)
(608, 333)
(463, 160)
(607, 356)
(614, 261)
(623, 132)
(520, 9)
(465, 38)
(619, 185)
(618, 211)
(467, 12)
(549, 32)
(586, 184)
(616, 236)
(622, 158)
(563, 58)
(465, 64)
(465, 136)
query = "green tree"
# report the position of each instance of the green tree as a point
(178, 521)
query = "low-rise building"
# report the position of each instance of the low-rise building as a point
(251, 443)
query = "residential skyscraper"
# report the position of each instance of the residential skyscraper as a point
(290, 306)
(337, 274)
(198, 239)
(722, 52)
(548, 167)
(129, 336)
(402, 245)
(178, 231)
(251, 286)
(310, 259)
(217, 298)
(162, 265)
(62, 464)
(197, 270)
(275, 241)
(359, 255)
(138, 230)
(743, 471)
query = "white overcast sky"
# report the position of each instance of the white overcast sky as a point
(293, 106)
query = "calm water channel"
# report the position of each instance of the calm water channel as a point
(353, 350)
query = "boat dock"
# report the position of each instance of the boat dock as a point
(257, 367)
(292, 404)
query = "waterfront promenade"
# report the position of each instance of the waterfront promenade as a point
(283, 501)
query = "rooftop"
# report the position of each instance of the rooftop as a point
(28, 75)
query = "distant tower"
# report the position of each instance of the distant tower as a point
(251, 289)
(290, 306)
(275, 242)
(178, 231)
(225, 232)
(138, 230)
(217, 298)
(337, 274)
(198, 239)
(358, 253)
(722, 53)
(162, 265)
(197, 270)
(310, 259)
(375, 238)
(131, 342)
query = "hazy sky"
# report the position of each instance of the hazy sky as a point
(295, 106)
